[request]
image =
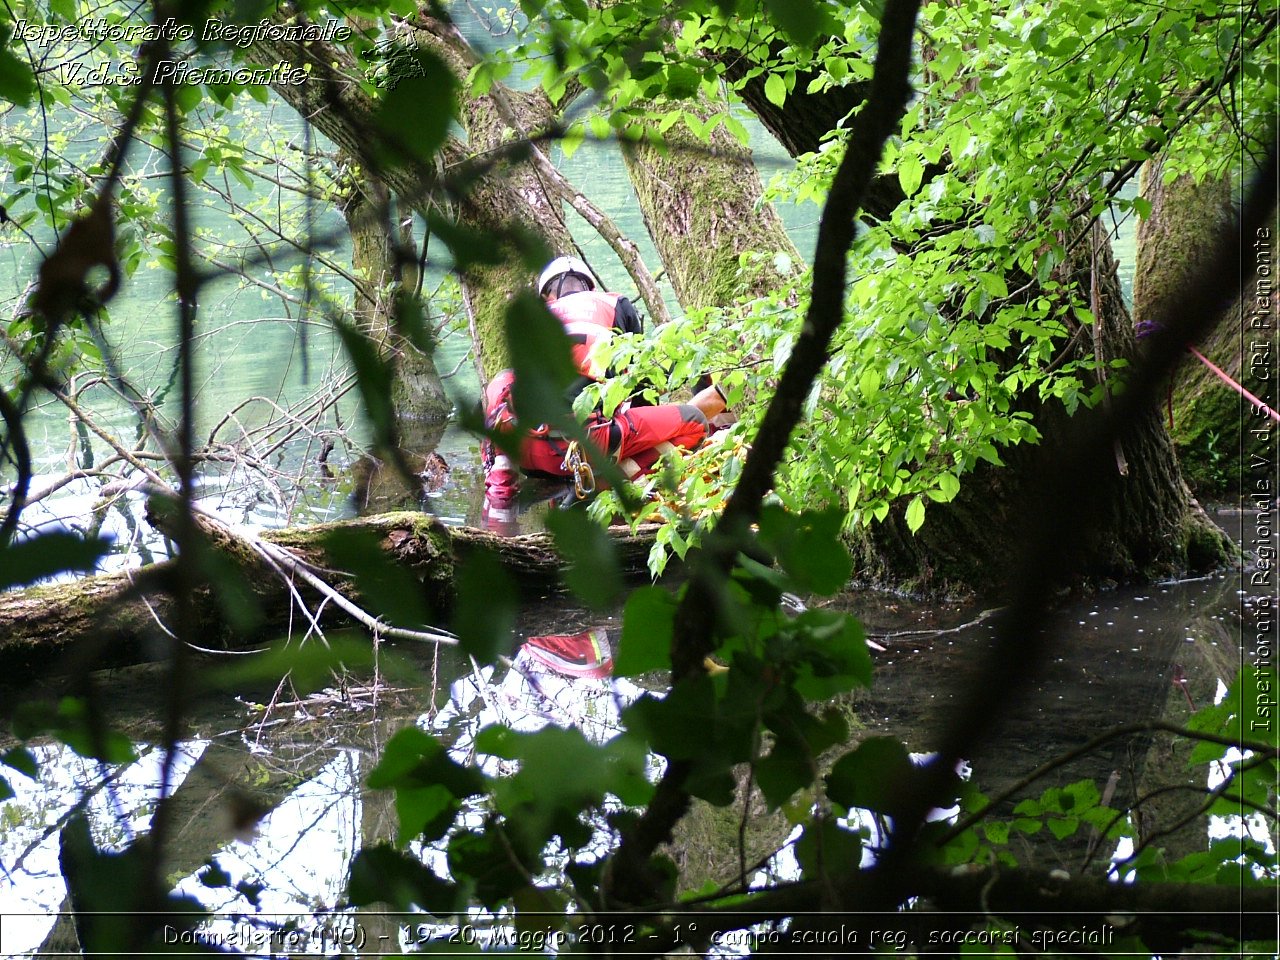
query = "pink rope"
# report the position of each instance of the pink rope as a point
(1235, 386)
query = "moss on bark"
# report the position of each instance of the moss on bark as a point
(502, 205)
(506, 206)
(701, 202)
(1211, 422)
(1150, 528)
(417, 392)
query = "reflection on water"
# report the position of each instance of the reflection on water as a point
(293, 867)
(116, 800)
(299, 774)
(1125, 655)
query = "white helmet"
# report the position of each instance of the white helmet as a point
(561, 266)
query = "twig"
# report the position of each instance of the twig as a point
(286, 559)
(287, 580)
(1211, 797)
(897, 634)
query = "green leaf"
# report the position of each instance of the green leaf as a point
(997, 831)
(826, 850)
(110, 891)
(381, 874)
(187, 96)
(414, 758)
(561, 774)
(543, 363)
(910, 173)
(593, 572)
(832, 655)
(808, 547)
(428, 784)
(485, 615)
(47, 554)
(389, 590)
(647, 624)
(309, 667)
(238, 174)
(491, 863)
(71, 722)
(799, 19)
(374, 376)
(230, 584)
(424, 813)
(683, 83)
(869, 382)
(868, 775)
(765, 585)
(17, 81)
(775, 90)
(1063, 827)
(781, 774)
(915, 514)
(22, 760)
(948, 487)
(415, 116)
(470, 247)
(539, 916)
(669, 723)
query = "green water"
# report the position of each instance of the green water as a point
(259, 358)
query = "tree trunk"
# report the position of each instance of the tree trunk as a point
(701, 204)
(509, 198)
(1153, 528)
(334, 100)
(416, 389)
(1211, 423)
(806, 120)
(1171, 788)
(226, 790)
(114, 619)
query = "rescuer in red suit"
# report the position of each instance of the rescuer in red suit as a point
(636, 435)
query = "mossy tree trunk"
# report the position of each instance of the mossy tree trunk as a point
(1212, 423)
(702, 206)
(119, 618)
(1153, 526)
(509, 200)
(336, 102)
(380, 265)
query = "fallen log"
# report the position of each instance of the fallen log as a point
(120, 618)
